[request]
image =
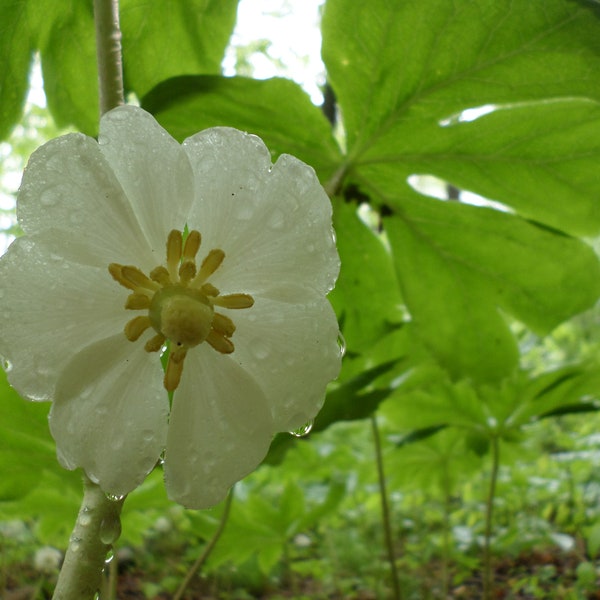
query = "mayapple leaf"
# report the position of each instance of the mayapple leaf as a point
(458, 264)
(16, 48)
(275, 109)
(537, 158)
(68, 51)
(386, 59)
(366, 296)
(181, 37)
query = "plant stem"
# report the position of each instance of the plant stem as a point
(385, 510)
(96, 528)
(489, 514)
(207, 549)
(108, 53)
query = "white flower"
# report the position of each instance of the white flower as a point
(253, 338)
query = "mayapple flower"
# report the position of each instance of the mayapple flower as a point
(150, 267)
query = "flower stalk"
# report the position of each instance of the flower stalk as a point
(108, 53)
(97, 527)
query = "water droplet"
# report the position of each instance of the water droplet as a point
(114, 497)
(303, 430)
(109, 556)
(276, 220)
(110, 529)
(7, 365)
(85, 519)
(259, 349)
(74, 544)
(49, 198)
(341, 341)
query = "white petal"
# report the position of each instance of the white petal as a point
(220, 429)
(51, 308)
(110, 413)
(153, 169)
(70, 192)
(292, 351)
(274, 225)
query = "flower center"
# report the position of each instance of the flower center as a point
(179, 303)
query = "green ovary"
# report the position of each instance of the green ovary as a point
(182, 315)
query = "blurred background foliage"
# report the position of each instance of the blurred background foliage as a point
(459, 143)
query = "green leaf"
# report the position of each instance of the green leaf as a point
(366, 296)
(386, 59)
(16, 48)
(276, 109)
(68, 52)
(181, 37)
(458, 264)
(403, 80)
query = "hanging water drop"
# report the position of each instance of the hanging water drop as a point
(303, 430)
(109, 557)
(110, 529)
(341, 341)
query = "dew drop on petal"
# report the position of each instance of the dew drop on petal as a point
(110, 529)
(341, 341)
(276, 220)
(259, 349)
(7, 365)
(303, 430)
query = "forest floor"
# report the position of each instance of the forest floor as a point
(545, 575)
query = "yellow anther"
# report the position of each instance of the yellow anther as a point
(209, 290)
(187, 271)
(209, 265)
(155, 343)
(223, 325)
(220, 343)
(134, 276)
(174, 369)
(135, 327)
(192, 245)
(234, 301)
(161, 275)
(137, 301)
(174, 248)
(116, 271)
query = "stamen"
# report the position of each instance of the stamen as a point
(156, 343)
(220, 343)
(161, 276)
(209, 290)
(116, 271)
(209, 265)
(234, 301)
(223, 325)
(134, 276)
(192, 245)
(187, 271)
(174, 369)
(135, 327)
(137, 301)
(174, 246)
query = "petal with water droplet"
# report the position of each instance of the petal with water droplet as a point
(109, 397)
(220, 430)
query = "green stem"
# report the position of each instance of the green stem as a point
(97, 527)
(108, 53)
(207, 549)
(385, 510)
(489, 514)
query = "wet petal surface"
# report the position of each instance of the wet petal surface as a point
(220, 430)
(110, 414)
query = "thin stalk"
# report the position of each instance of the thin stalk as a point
(385, 510)
(207, 549)
(446, 534)
(97, 527)
(108, 54)
(489, 515)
